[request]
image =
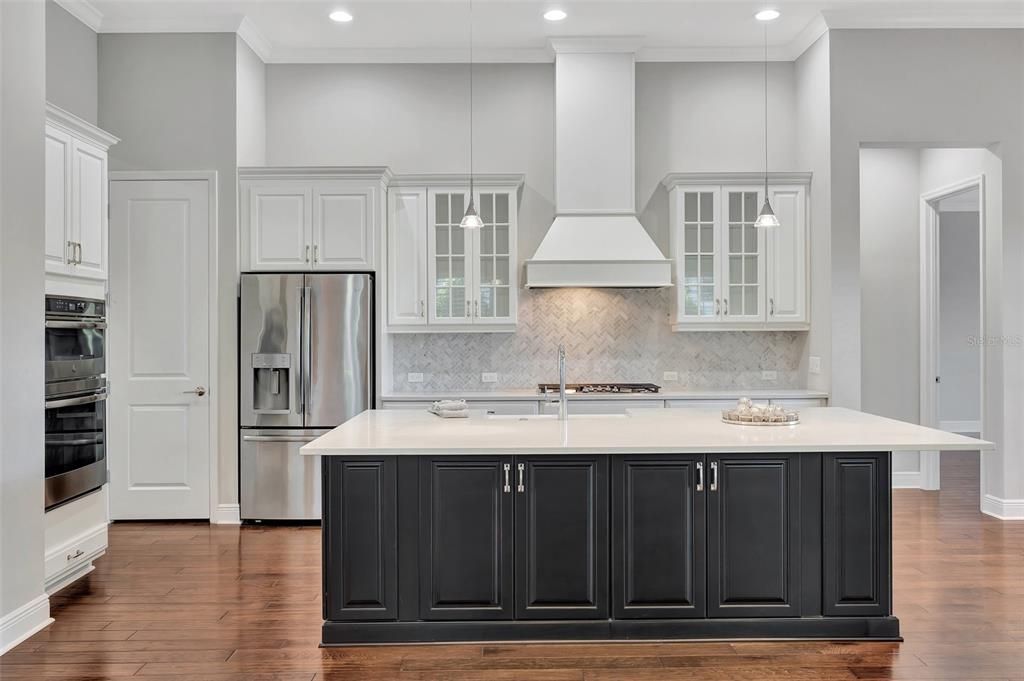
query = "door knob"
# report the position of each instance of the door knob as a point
(200, 391)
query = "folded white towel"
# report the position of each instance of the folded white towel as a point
(450, 409)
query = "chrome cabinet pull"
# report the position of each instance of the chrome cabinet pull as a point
(700, 476)
(198, 390)
(78, 247)
(771, 307)
(476, 308)
(77, 554)
(469, 310)
(521, 487)
(726, 301)
(307, 252)
(316, 253)
(508, 485)
(69, 253)
(423, 309)
(714, 477)
(718, 307)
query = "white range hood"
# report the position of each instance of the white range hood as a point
(596, 240)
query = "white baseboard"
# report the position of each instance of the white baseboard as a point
(1004, 509)
(906, 480)
(18, 625)
(226, 514)
(960, 426)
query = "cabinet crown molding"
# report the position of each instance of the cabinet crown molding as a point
(79, 127)
(443, 180)
(673, 180)
(316, 173)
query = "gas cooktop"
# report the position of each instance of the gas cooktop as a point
(601, 388)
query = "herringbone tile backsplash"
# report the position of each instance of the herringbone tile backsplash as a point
(609, 335)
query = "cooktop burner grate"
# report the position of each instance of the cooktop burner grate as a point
(601, 388)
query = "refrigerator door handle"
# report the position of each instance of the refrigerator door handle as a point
(307, 344)
(300, 387)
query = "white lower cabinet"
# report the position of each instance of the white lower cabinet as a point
(76, 196)
(729, 274)
(441, 277)
(309, 219)
(75, 535)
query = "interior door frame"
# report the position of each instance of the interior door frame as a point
(213, 269)
(929, 327)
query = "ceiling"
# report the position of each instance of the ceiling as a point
(515, 31)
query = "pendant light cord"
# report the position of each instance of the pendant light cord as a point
(766, 112)
(471, 102)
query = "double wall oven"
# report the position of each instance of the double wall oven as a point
(76, 398)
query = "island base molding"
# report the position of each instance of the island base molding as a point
(766, 628)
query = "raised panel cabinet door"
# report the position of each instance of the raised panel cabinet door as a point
(343, 223)
(466, 538)
(697, 253)
(89, 210)
(658, 537)
(407, 256)
(857, 529)
(753, 535)
(360, 535)
(280, 223)
(561, 537)
(743, 249)
(58, 250)
(787, 257)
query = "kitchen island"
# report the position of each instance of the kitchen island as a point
(658, 524)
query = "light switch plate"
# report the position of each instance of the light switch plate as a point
(769, 375)
(414, 378)
(488, 377)
(814, 364)
(670, 376)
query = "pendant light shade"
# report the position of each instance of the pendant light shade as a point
(471, 220)
(766, 218)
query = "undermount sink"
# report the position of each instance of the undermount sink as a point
(553, 417)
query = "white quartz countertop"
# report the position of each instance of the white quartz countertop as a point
(533, 394)
(643, 431)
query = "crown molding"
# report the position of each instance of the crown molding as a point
(485, 180)
(807, 36)
(673, 180)
(779, 53)
(84, 11)
(980, 17)
(596, 44)
(180, 24)
(382, 173)
(79, 127)
(494, 55)
(256, 41)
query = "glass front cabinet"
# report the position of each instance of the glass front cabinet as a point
(728, 274)
(443, 277)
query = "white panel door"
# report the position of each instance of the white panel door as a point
(280, 227)
(159, 342)
(787, 257)
(343, 220)
(89, 210)
(743, 251)
(407, 256)
(58, 201)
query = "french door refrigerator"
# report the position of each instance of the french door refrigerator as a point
(306, 365)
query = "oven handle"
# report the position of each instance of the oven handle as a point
(81, 399)
(58, 324)
(75, 443)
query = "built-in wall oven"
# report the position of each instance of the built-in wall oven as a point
(76, 398)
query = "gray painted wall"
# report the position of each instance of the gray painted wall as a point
(251, 105)
(959, 317)
(22, 102)
(171, 100)
(873, 102)
(71, 68)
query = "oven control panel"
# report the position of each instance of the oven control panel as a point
(63, 305)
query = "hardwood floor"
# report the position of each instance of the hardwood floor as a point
(189, 601)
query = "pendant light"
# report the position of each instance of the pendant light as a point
(766, 218)
(471, 220)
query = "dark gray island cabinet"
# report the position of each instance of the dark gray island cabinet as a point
(420, 548)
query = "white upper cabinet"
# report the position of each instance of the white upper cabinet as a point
(307, 219)
(76, 196)
(730, 275)
(442, 277)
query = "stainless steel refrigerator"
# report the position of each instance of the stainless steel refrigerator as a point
(306, 365)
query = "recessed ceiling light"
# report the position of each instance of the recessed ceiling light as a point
(555, 15)
(767, 15)
(340, 16)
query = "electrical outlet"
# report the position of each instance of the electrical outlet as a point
(414, 378)
(814, 364)
(488, 377)
(769, 375)
(670, 376)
